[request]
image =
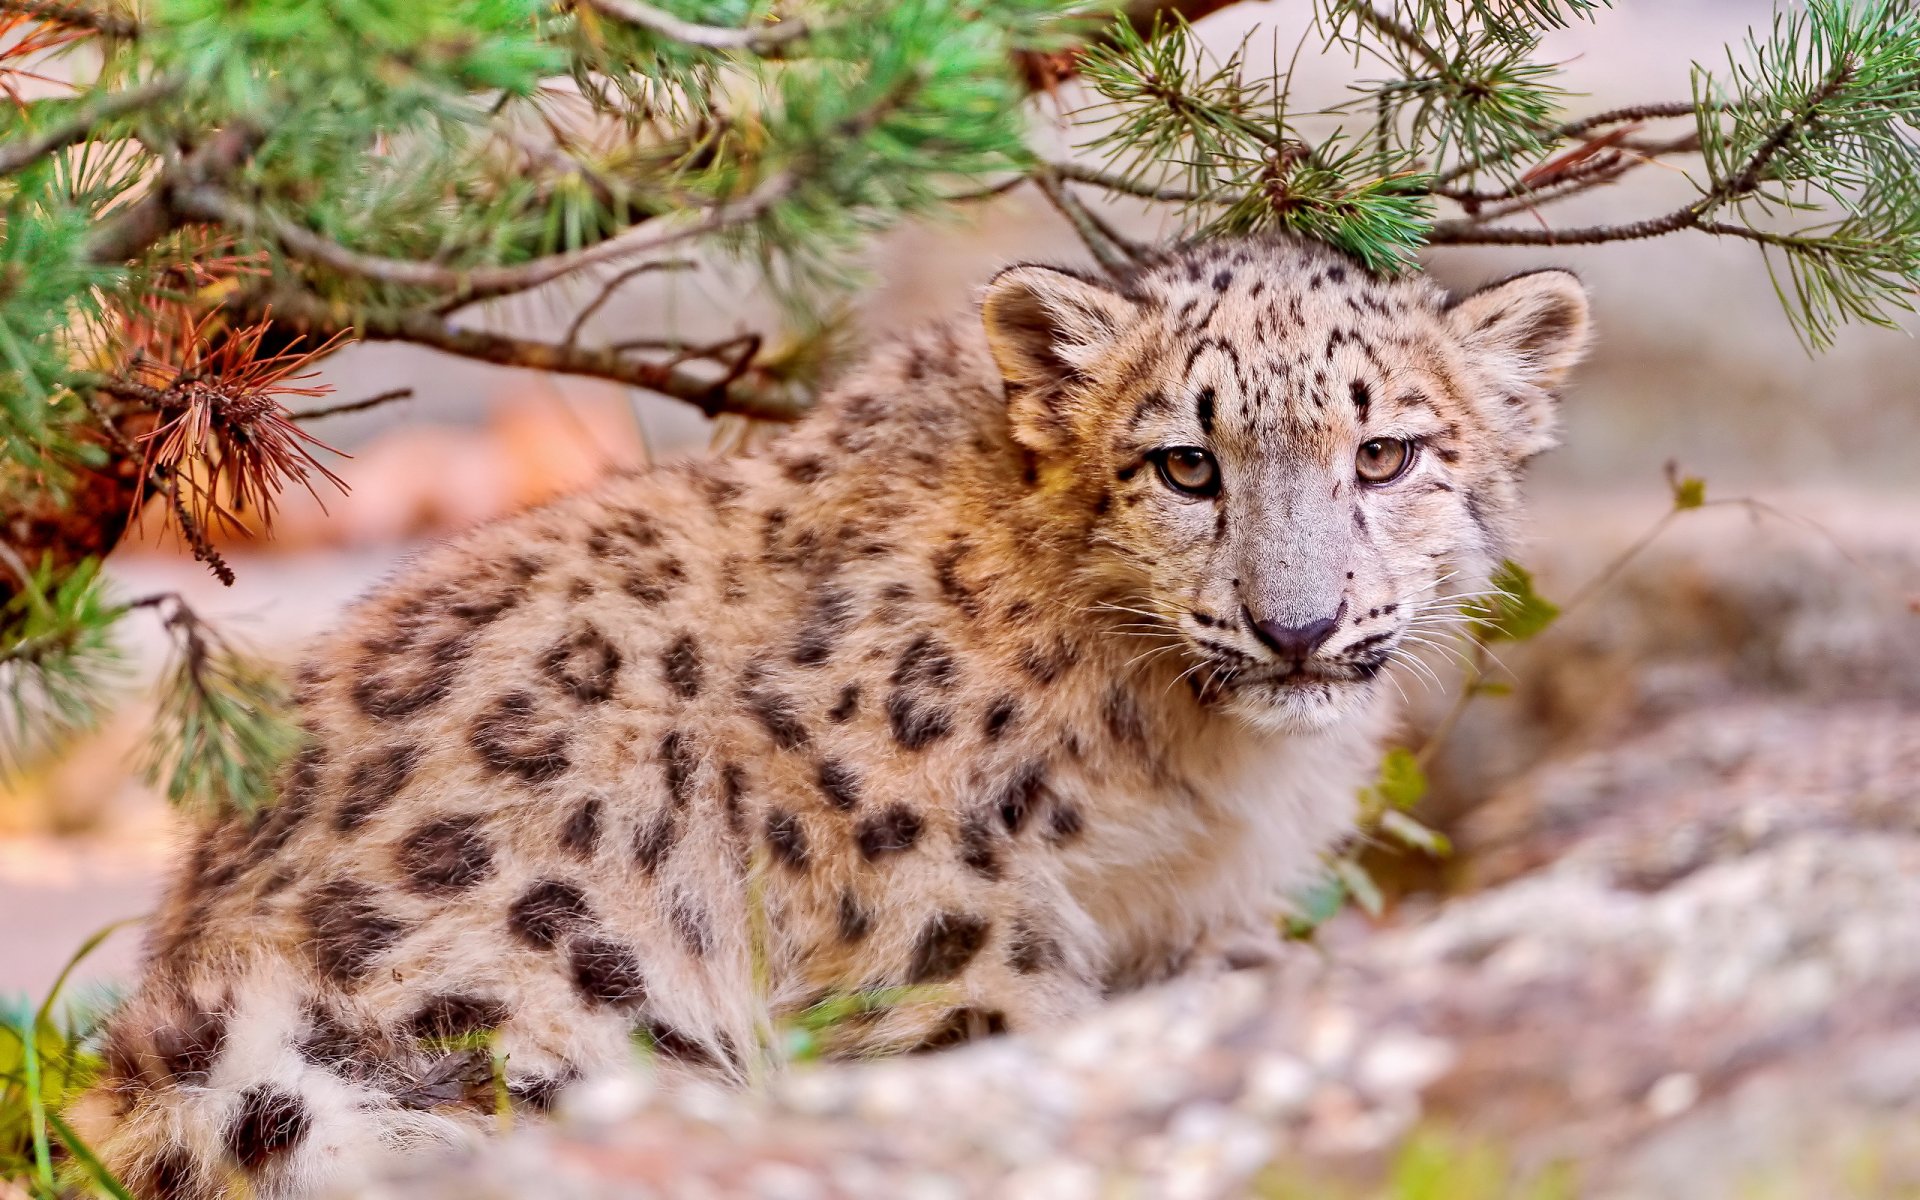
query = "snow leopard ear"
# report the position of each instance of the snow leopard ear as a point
(1527, 332)
(1048, 329)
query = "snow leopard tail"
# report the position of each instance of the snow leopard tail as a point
(258, 1088)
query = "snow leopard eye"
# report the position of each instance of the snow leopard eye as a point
(1189, 470)
(1383, 460)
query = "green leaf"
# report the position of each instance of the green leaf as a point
(1514, 612)
(1314, 907)
(1360, 885)
(1409, 832)
(1402, 784)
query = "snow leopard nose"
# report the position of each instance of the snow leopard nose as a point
(1296, 642)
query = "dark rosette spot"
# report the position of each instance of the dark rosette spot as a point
(373, 783)
(999, 716)
(452, 1015)
(855, 921)
(584, 665)
(1123, 718)
(330, 1045)
(546, 911)
(945, 946)
(679, 1046)
(963, 1025)
(807, 469)
(839, 783)
(787, 838)
(681, 666)
(1031, 950)
(846, 706)
(677, 763)
(917, 725)
(606, 972)
(275, 826)
(1021, 795)
(980, 846)
(446, 856)
(827, 619)
(781, 717)
(893, 830)
(536, 1093)
(733, 792)
(946, 572)
(188, 1048)
(580, 836)
(345, 931)
(925, 663)
(414, 663)
(654, 839)
(269, 1123)
(691, 923)
(511, 741)
(171, 1174)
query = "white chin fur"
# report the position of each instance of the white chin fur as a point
(1281, 708)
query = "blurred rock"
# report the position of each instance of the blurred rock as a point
(1811, 600)
(1691, 964)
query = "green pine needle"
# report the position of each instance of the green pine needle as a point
(223, 727)
(59, 660)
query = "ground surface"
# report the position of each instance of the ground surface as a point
(1677, 956)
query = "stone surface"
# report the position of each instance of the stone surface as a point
(1686, 966)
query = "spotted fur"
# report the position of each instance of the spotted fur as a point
(948, 693)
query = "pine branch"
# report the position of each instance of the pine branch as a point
(213, 204)
(58, 658)
(767, 40)
(1470, 232)
(224, 725)
(1567, 132)
(80, 16)
(1113, 255)
(83, 125)
(1386, 26)
(317, 318)
(337, 410)
(155, 215)
(610, 288)
(1122, 184)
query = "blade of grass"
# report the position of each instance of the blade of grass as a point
(87, 947)
(36, 1107)
(85, 1156)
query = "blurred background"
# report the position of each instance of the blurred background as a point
(1798, 607)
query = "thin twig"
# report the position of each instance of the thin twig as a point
(1111, 255)
(1390, 28)
(985, 193)
(1471, 232)
(613, 285)
(1121, 184)
(214, 204)
(1694, 216)
(321, 318)
(81, 126)
(766, 40)
(335, 410)
(1475, 673)
(155, 215)
(1568, 131)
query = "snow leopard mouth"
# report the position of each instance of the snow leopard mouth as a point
(1298, 676)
